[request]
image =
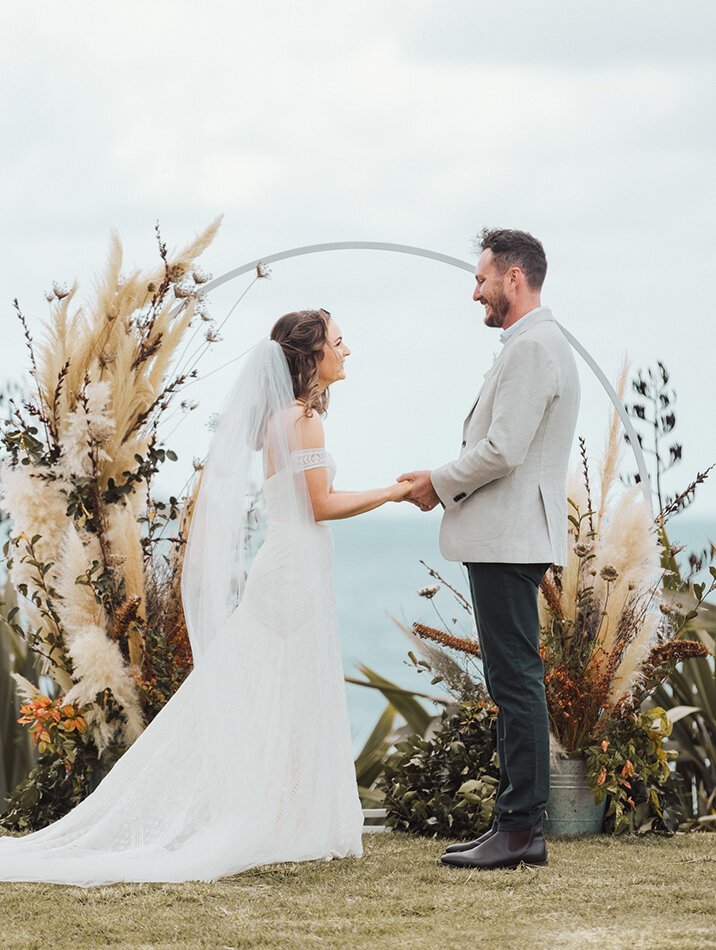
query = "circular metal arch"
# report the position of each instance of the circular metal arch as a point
(462, 265)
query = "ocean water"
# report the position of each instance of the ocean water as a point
(378, 572)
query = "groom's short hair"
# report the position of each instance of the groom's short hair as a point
(515, 249)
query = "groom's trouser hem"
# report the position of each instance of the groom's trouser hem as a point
(505, 601)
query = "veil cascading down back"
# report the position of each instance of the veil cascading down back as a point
(250, 761)
(253, 437)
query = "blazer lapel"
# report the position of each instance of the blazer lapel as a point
(486, 377)
(546, 314)
(477, 399)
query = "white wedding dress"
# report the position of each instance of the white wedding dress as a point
(250, 762)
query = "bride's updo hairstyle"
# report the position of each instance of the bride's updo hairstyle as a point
(302, 336)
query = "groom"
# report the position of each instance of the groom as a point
(505, 517)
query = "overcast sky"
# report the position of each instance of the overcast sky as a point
(590, 125)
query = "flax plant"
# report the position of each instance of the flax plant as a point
(97, 588)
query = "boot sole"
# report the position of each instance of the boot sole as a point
(496, 867)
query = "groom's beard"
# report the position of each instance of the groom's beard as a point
(496, 310)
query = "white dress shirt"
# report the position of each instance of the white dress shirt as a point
(506, 334)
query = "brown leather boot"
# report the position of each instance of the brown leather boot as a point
(504, 849)
(469, 845)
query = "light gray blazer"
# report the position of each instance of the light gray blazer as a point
(505, 496)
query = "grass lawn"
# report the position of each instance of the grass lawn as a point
(601, 892)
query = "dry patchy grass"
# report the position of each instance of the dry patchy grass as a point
(596, 892)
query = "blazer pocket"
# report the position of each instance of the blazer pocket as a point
(492, 508)
(554, 501)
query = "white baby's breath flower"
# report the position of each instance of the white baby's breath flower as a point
(185, 288)
(201, 308)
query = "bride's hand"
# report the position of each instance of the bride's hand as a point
(400, 490)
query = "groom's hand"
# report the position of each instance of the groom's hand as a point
(422, 493)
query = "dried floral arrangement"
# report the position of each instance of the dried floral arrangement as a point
(613, 631)
(90, 552)
(609, 634)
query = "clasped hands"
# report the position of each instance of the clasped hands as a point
(422, 494)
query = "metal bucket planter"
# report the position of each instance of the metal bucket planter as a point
(570, 806)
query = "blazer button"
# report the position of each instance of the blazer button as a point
(460, 496)
(464, 443)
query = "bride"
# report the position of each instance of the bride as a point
(250, 762)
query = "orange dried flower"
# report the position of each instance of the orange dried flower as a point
(674, 651)
(49, 719)
(447, 640)
(551, 596)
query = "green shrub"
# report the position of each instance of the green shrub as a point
(445, 785)
(630, 768)
(48, 793)
(52, 789)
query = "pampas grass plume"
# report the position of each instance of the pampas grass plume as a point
(613, 449)
(101, 368)
(630, 670)
(630, 545)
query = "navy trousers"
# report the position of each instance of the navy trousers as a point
(505, 600)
